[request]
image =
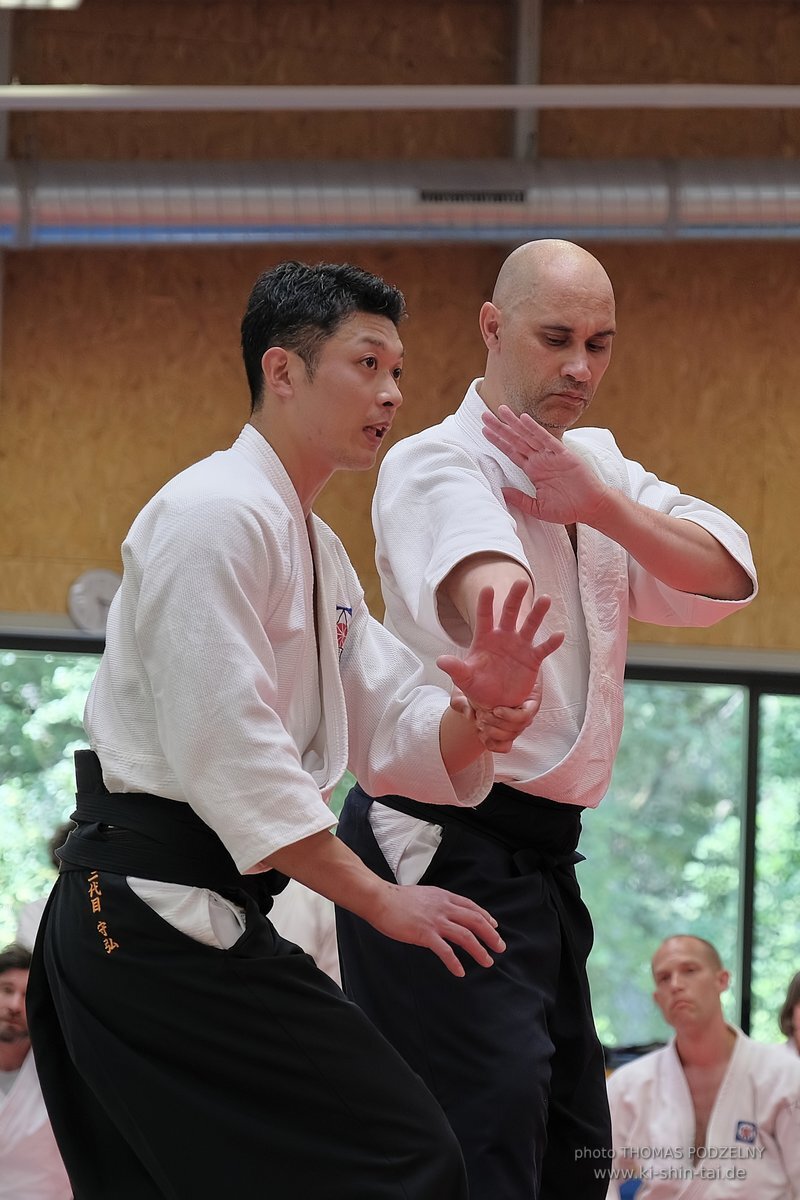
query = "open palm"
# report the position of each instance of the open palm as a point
(502, 665)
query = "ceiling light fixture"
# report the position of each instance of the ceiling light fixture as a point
(39, 3)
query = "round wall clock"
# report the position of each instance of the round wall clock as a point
(89, 599)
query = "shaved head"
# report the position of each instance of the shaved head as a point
(548, 330)
(548, 261)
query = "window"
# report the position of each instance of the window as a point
(663, 848)
(700, 833)
(776, 940)
(42, 694)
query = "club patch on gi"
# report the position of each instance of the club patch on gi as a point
(746, 1131)
(343, 614)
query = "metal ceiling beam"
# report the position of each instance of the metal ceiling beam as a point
(17, 97)
(528, 47)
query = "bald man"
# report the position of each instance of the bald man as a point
(711, 1116)
(504, 491)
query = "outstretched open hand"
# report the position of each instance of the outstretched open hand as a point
(502, 664)
(567, 489)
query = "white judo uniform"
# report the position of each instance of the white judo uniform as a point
(189, 1051)
(439, 501)
(446, 484)
(30, 1164)
(752, 1148)
(295, 678)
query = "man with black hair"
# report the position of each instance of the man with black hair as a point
(189, 1051)
(30, 1165)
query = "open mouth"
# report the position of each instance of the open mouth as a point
(376, 431)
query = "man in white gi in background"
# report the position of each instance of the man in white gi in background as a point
(713, 1115)
(30, 1164)
(513, 1057)
(186, 1051)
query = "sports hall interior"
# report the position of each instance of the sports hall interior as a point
(127, 255)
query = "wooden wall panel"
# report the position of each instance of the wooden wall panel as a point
(120, 367)
(653, 41)
(113, 368)
(252, 42)
(686, 393)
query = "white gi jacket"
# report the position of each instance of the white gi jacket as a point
(446, 484)
(30, 1164)
(217, 689)
(752, 1147)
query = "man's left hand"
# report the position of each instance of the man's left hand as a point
(567, 489)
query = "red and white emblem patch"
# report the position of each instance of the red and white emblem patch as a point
(343, 615)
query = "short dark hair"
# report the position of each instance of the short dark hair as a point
(299, 307)
(14, 958)
(786, 1018)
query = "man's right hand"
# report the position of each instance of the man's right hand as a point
(438, 920)
(421, 916)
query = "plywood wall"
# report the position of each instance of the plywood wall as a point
(120, 367)
(261, 42)
(671, 41)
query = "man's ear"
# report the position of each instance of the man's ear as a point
(489, 321)
(276, 365)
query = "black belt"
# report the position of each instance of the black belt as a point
(540, 833)
(135, 833)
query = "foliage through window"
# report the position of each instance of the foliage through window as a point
(42, 695)
(776, 941)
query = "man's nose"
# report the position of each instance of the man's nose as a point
(577, 367)
(390, 395)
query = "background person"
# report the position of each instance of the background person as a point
(513, 1056)
(789, 1019)
(713, 1115)
(30, 1164)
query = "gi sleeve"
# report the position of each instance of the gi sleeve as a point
(433, 508)
(622, 1118)
(656, 602)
